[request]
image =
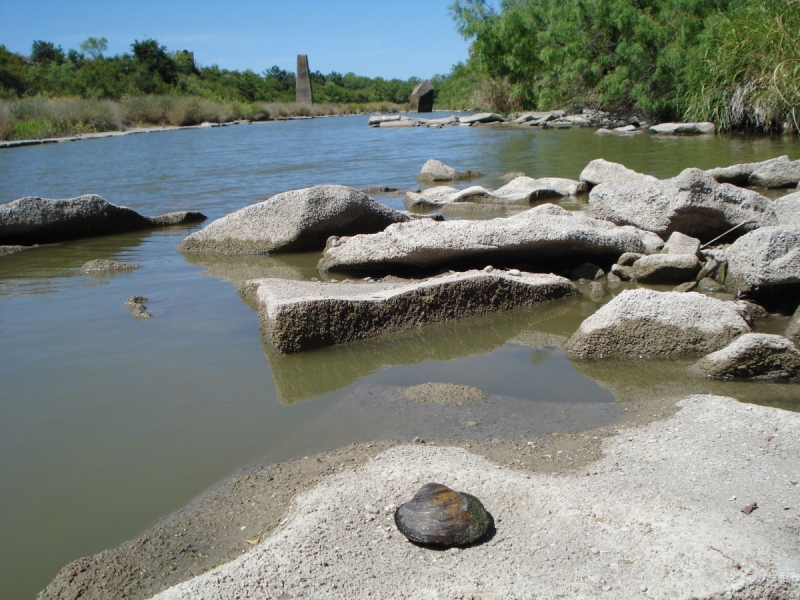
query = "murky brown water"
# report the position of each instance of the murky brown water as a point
(107, 424)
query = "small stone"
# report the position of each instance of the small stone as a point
(514, 272)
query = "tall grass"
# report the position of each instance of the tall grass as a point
(39, 118)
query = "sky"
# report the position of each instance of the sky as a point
(372, 38)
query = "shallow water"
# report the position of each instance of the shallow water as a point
(107, 424)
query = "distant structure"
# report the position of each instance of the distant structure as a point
(422, 98)
(303, 89)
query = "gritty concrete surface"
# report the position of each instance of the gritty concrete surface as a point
(659, 516)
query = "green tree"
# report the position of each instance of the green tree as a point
(94, 47)
(44, 53)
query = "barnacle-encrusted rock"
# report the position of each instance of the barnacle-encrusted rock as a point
(439, 516)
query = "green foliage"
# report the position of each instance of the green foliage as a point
(94, 47)
(732, 61)
(44, 53)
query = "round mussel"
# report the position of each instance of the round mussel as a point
(439, 516)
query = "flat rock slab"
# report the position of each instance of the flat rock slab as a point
(646, 323)
(666, 268)
(692, 203)
(34, 220)
(294, 221)
(753, 356)
(482, 118)
(603, 171)
(544, 232)
(520, 190)
(600, 533)
(101, 265)
(300, 315)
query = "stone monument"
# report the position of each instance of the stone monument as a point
(422, 98)
(303, 79)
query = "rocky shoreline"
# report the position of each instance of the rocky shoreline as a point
(696, 230)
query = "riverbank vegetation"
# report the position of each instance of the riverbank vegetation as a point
(54, 93)
(733, 62)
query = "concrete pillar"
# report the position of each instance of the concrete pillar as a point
(422, 98)
(304, 94)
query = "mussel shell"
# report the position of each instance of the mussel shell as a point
(439, 516)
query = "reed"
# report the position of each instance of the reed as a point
(40, 118)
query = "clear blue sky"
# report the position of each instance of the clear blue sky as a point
(378, 38)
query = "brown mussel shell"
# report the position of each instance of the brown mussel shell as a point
(439, 516)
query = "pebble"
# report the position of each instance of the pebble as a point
(515, 272)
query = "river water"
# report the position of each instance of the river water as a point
(107, 424)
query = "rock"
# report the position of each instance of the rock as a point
(684, 128)
(766, 263)
(439, 516)
(681, 244)
(691, 203)
(543, 233)
(628, 259)
(709, 286)
(481, 118)
(648, 323)
(444, 394)
(793, 328)
(34, 220)
(401, 122)
(624, 273)
(603, 131)
(539, 117)
(101, 265)
(300, 315)
(471, 210)
(596, 290)
(666, 268)
(685, 287)
(753, 356)
(507, 177)
(293, 221)
(587, 271)
(521, 190)
(375, 120)
(787, 210)
(613, 281)
(625, 129)
(421, 99)
(452, 120)
(377, 189)
(602, 171)
(137, 306)
(178, 218)
(303, 91)
(774, 173)
(436, 170)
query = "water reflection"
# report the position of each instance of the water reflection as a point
(240, 268)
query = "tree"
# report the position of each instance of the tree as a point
(155, 60)
(94, 47)
(44, 53)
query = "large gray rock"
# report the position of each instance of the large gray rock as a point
(666, 268)
(681, 244)
(773, 173)
(684, 128)
(602, 171)
(300, 315)
(436, 170)
(648, 323)
(753, 356)
(691, 203)
(421, 99)
(34, 220)
(294, 221)
(430, 198)
(765, 262)
(540, 234)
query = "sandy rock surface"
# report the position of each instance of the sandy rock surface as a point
(296, 220)
(603, 171)
(659, 516)
(648, 323)
(546, 231)
(753, 356)
(765, 262)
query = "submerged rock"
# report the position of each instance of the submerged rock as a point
(436, 170)
(101, 265)
(753, 356)
(540, 234)
(300, 315)
(137, 306)
(648, 323)
(691, 203)
(294, 221)
(684, 128)
(439, 516)
(34, 220)
(521, 190)
(482, 118)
